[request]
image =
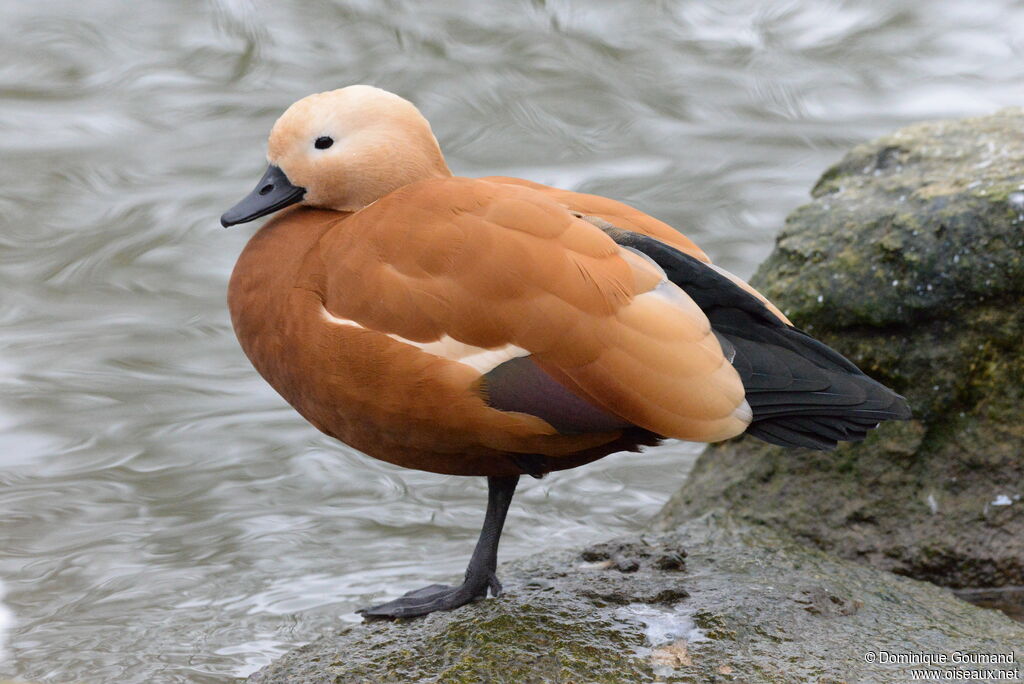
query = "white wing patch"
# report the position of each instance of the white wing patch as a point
(478, 358)
(331, 318)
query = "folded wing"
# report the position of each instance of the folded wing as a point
(458, 263)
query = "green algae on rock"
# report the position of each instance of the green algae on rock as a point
(909, 260)
(710, 601)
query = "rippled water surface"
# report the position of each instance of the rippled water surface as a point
(165, 516)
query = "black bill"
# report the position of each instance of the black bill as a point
(273, 192)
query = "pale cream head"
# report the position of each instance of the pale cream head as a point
(380, 142)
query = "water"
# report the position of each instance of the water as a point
(165, 518)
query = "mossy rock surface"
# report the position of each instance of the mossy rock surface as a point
(712, 601)
(909, 260)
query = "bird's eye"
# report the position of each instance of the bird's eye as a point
(323, 142)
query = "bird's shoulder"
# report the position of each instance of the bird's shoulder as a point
(473, 259)
(613, 211)
(445, 215)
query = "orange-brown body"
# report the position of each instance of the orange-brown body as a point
(330, 308)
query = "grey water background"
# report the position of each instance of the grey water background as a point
(164, 516)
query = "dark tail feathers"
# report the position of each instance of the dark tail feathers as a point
(803, 393)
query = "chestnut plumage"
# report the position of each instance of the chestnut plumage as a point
(496, 327)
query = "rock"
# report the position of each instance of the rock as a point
(909, 260)
(713, 600)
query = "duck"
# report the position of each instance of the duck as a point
(496, 327)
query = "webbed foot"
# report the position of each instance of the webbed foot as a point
(434, 597)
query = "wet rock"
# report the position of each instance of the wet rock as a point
(910, 260)
(751, 605)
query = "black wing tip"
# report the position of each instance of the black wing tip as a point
(901, 409)
(822, 431)
(780, 434)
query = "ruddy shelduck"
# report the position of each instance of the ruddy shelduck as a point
(498, 327)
